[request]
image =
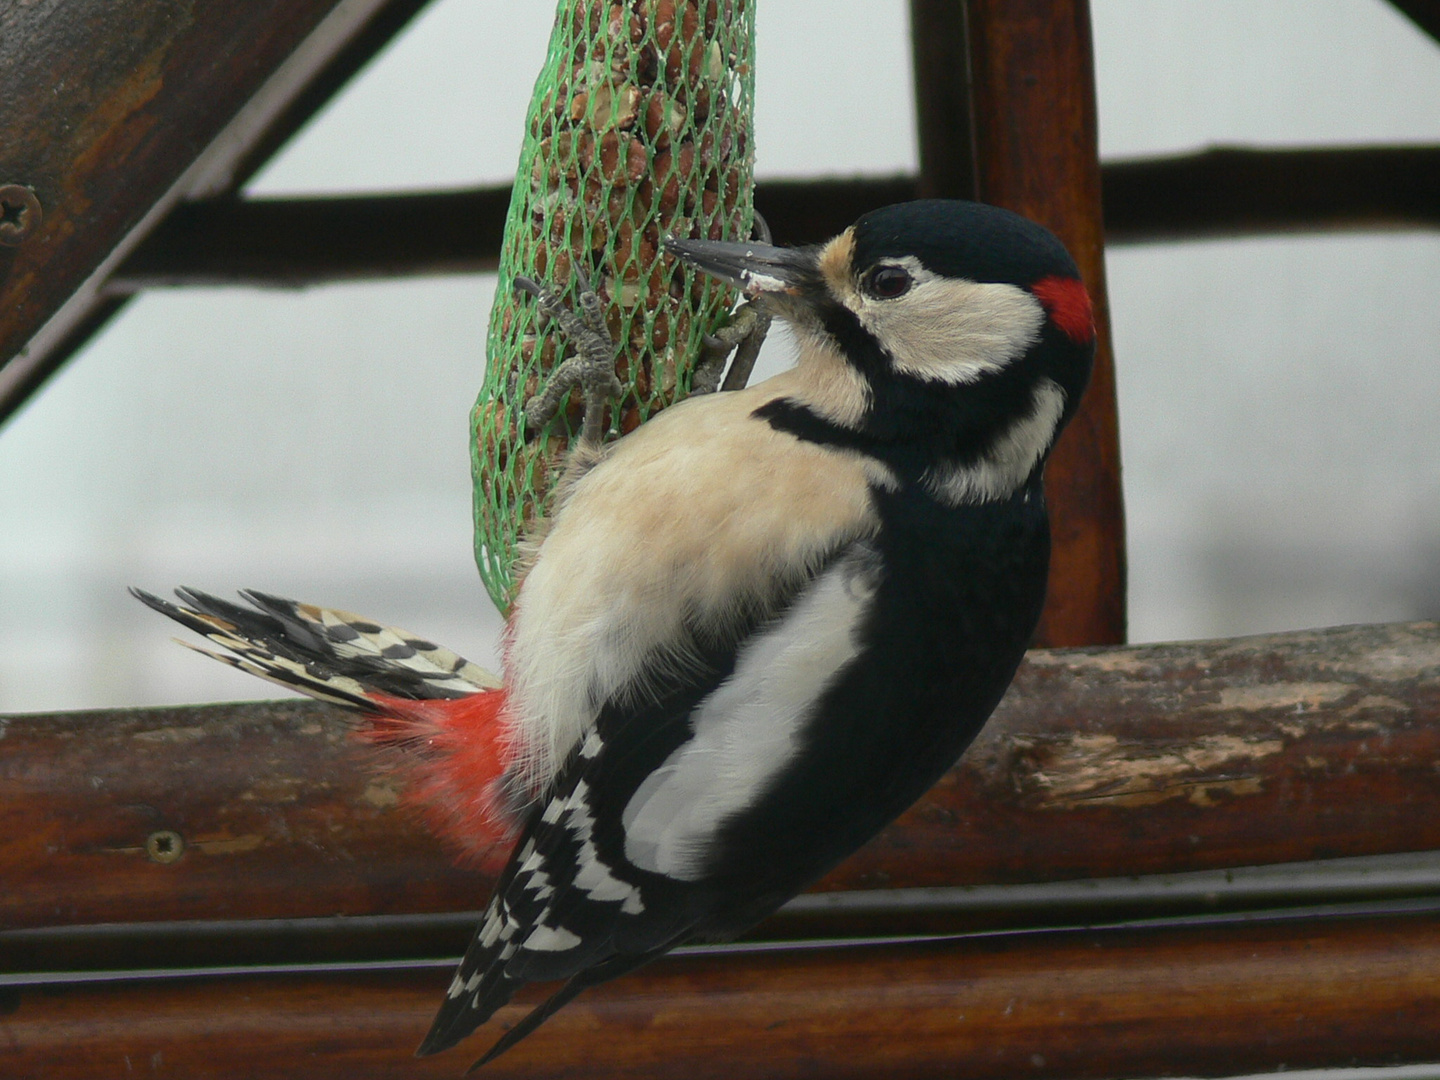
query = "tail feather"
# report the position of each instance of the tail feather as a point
(533, 1019)
(591, 976)
(442, 712)
(417, 667)
(335, 689)
(327, 642)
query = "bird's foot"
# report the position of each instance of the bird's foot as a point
(592, 367)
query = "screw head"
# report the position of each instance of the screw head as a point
(164, 846)
(20, 214)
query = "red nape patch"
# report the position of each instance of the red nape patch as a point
(452, 756)
(1068, 305)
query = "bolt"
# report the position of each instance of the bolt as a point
(164, 846)
(19, 214)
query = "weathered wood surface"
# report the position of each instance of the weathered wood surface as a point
(117, 109)
(1215, 1001)
(1100, 763)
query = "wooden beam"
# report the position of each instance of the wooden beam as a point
(1207, 1001)
(1237, 191)
(1100, 763)
(115, 111)
(1221, 192)
(294, 242)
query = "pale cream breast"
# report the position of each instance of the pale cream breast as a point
(691, 519)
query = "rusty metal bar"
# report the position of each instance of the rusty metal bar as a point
(1100, 763)
(1215, 1001)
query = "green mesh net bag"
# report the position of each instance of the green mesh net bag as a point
(640, 128)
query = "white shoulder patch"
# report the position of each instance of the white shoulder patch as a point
(751, 727)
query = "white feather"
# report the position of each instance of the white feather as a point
(750, 729)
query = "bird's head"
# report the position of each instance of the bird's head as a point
(967, 325)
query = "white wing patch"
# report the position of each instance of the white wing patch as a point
(550, 939)
(750, 728)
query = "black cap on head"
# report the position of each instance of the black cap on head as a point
(964, 240)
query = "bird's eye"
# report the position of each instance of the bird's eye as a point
(887, 282)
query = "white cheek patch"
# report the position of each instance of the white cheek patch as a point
(1010, 459)
(750, 729)
(951, 331)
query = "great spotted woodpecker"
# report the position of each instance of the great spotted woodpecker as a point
(759, 626)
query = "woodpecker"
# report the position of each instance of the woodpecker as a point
(759, 626)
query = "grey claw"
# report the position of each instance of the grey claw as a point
(592, 368)
(760, 229)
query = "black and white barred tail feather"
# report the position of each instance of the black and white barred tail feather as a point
(445, 714)
(326, 653)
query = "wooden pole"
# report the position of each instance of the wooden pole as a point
(1100, 763)
(1215, 1001)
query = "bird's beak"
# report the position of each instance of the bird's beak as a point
(757, 269)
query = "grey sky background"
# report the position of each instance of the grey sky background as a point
(1278, 396)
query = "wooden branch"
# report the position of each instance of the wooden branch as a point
(1100, 763)
(1213, 1001)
